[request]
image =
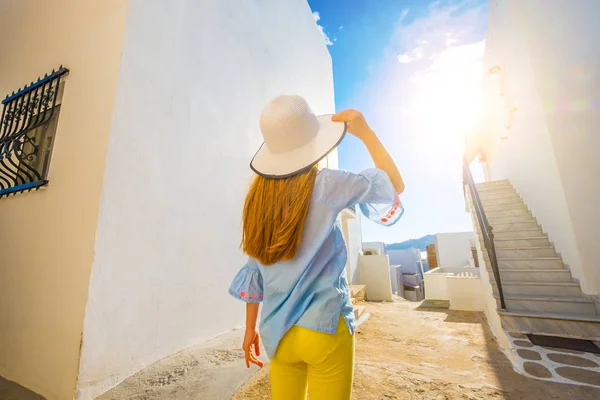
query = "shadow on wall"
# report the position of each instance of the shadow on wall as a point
(13, 391)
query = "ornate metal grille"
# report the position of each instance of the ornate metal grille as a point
(27, 125)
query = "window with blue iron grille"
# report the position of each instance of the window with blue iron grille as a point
(27, 129)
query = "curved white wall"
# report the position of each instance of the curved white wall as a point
(454, 249)
(549, 52)
(565, 58)
(194, 77)
(353, 238)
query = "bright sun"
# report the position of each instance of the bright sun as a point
(447, 95)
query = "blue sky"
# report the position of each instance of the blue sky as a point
(413, 67)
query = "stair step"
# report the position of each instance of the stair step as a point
(358, 311)
(507, 201)
(358, 291)
(487, 197)
(524, 252)
(535, 233)
(579, 326)
(571, 289)
(515, 242)
(492, 184)
(505, 207)
(362, 319)
(511, 218)
(514, 226)
(491, 196)
(534, 275)
(487, 186)
(551, 304)
(495, 190)
(558, 316)
(508, 213)
(486, 191)
(531, 263)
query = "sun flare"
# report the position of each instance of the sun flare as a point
(447, 96)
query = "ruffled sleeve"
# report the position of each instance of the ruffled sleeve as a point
(380, 202)
(248, 284)
(372, 190)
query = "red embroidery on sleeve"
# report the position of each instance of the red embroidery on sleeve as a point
(250, 297)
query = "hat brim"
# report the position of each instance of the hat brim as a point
(285, 165)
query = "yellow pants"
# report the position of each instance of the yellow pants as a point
(320, 361)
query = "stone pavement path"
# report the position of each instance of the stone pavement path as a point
(405, 352)
(211, 371)
(558, 365)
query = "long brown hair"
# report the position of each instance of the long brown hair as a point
(274, 214)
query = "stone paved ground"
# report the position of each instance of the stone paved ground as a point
(404, 352)
(211, 371)
(558, 365)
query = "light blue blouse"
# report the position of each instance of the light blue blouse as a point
(311, 290)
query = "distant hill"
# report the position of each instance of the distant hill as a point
(420, 243)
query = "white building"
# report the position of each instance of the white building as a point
(125, 255)
(352, 230)
(374, 247)
(539, 143)
(453, 249)
(457, 276)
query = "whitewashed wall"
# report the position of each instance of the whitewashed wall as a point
(454, 249)
(376, 246)
(354, 248)
(352, 232)
(409, 259)
(194, 77)
(550, 74)
(374, 273)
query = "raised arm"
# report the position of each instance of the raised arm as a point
(357, 126)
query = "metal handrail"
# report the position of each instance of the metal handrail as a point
(486, 229)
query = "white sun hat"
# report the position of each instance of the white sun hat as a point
(295, 139)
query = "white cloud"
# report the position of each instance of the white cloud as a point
(415, 55)
(418, 53)
(341, 27)
(443, 27)
(317, 17)
(404, 58)
(442, 72)
(404, 14)
(450, 40)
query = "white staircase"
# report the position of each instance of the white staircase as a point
(540, 294)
